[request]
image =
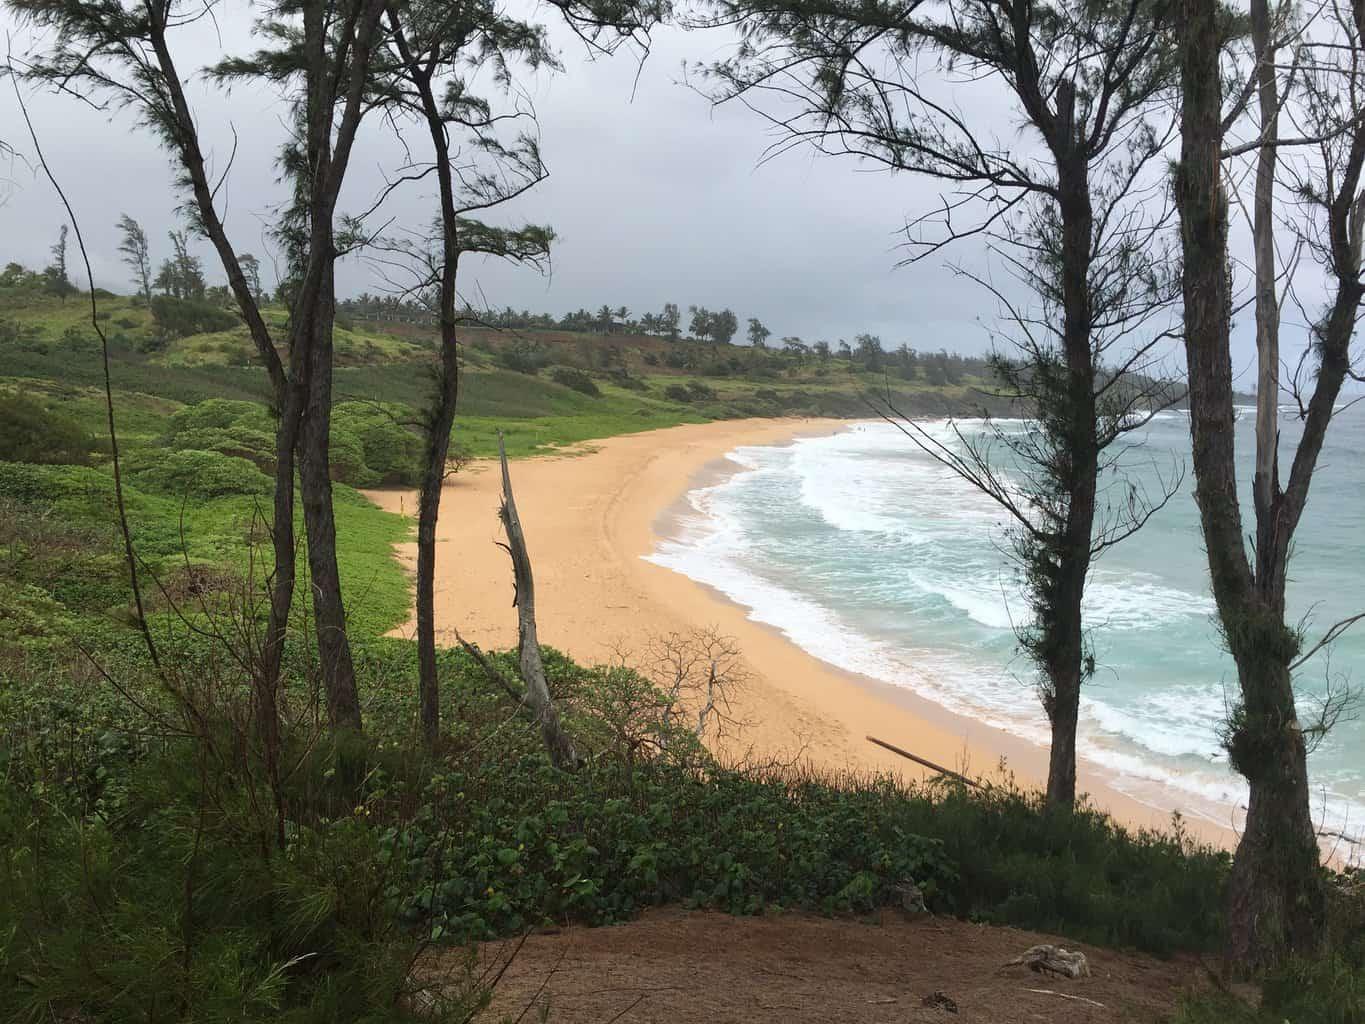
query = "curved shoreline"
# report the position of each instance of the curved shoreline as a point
(592, 515)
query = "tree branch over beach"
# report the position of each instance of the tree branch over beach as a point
(1073, 211)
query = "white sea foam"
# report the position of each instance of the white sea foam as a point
(909, 556)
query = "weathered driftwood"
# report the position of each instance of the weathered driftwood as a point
(925, 762)
(1045, 959)
(557, 741)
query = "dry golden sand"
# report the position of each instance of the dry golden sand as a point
(591, 515)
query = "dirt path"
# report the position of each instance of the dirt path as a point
(685, 968)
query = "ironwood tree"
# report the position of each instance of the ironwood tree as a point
(429, 47)
(1073, 207)
(1276, 902)
(124, 54)
(58, 280)
(136, 255)
(431, 51)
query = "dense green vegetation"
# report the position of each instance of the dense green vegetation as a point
(131, 856)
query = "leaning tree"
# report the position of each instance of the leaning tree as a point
(1072, 207)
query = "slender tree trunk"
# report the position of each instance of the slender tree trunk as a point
(441, 419)
(1275, 901)
(428, 512)
(282, 577)
(329, 611)
(1065, 646)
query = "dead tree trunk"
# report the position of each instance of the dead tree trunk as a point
(557, 740)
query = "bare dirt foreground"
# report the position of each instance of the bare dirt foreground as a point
(685, 968)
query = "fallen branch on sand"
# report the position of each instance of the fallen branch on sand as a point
(925, 762)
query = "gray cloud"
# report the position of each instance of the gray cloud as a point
(656, 197)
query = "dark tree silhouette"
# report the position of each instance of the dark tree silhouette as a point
(136, 255)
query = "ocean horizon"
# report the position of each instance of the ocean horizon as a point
(868, 554)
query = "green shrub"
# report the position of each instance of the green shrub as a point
(576, 379)
(180, 318)
(163, 908)
(522, 356)
(196, 474)
(1327, 990)
(14, 333)
(243, 430)
(31, 432)
(346, 459)
(678, 393)
(391, 450)
(622, 379)
(241, 442)
(220, 414)
(701, 392)
(604, 843)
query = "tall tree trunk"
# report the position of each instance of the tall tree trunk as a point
(1275, 900)
(315, 482)
(441, 419)
(270, 656)
(1265, 481)
(428, 512)
(1067, 667)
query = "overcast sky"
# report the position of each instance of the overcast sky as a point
(656, 197)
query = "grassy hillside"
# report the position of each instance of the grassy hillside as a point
(515, 380)
(196, 430)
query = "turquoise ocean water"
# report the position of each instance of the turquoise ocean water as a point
(868, 554)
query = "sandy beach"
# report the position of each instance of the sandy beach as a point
(590, 516)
